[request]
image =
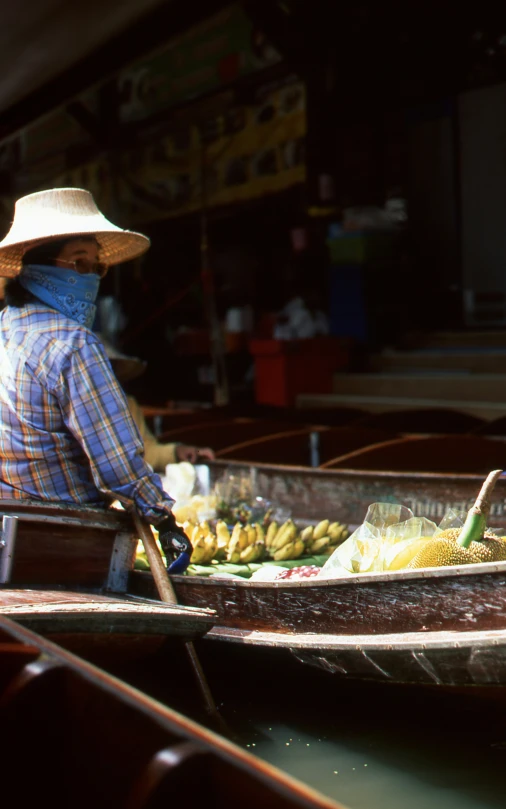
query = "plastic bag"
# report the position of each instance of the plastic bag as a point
(187, 485)
(404, 540)
(237, 500)
(363, 551)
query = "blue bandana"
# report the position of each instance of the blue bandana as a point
(65, 290)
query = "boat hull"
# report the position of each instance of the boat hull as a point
(444, 626)
(459, 660)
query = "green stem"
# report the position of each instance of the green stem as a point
(477, 516)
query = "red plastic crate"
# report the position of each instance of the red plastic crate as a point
(286, 368)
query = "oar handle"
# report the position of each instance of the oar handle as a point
(158, 569)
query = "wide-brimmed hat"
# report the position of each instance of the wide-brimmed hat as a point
(125, 367)
(62, 213)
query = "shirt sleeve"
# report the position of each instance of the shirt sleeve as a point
(96, 412)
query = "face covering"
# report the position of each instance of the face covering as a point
(63, 289)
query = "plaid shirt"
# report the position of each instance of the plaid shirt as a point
(66, 433)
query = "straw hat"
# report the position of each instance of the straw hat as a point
(125, 368)
(64, 212)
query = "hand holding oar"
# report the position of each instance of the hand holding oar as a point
(167, 594)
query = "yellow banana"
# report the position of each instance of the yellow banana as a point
(222, 534)
(271, 533)
(211, 543)
(321, 529)
(234, 551)
(307, 534)
(287, 534)
(239, 533)
(259, 533)
(337, 532)
(251, 534)
(286, 552)
(260, 547)
(249, 554)
(280, 531)
(298, 548)
(319, 544)
(199, 552)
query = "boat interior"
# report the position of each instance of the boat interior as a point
(76, 736)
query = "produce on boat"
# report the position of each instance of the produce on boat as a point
(386, 542)
(233, 532)
(471, 545)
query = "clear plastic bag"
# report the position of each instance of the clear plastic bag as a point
(363, 551)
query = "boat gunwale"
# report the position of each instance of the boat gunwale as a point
(428, 573)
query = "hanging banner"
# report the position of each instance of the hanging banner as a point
(243, 154)
(210, 55)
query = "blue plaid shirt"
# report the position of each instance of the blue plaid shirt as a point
(66, 433)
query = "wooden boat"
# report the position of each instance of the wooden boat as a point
(72, 735)
(64, 572)
(437, 622)
(444, 626)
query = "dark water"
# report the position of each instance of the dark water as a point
(369, 746)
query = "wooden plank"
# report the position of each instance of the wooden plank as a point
(448, 386)
(381, 404)
(473, 362)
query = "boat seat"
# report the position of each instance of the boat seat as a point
(447, 454)
(69, 546)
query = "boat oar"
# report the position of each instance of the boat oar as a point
(167, 594)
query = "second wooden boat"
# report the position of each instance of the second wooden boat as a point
(72, 735)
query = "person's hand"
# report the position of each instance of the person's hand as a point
(184, 452)
(175, 545)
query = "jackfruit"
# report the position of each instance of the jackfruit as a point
(443, 551)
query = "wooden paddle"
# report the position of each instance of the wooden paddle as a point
(167, 594)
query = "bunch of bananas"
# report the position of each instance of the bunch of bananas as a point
(203, 540)
(285, 541)
(250, 543)
(244, 545)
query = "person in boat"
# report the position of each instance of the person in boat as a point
(157, 454)
(66, 432)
